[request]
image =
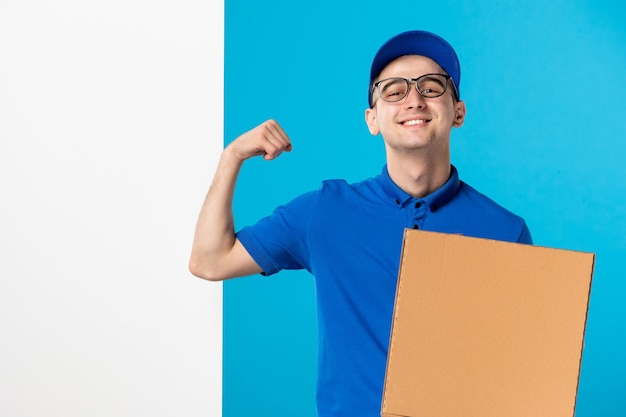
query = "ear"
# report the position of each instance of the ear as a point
(370, 120)
(459, 113)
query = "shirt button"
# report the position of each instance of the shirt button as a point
(415, 226)
(418, 205)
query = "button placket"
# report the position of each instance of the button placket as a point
(419, 212)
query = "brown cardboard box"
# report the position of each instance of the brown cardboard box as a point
(483, 328)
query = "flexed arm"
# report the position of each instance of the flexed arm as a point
(216, 253)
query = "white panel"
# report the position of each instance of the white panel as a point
(110, 127)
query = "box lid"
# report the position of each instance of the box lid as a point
(484, 328)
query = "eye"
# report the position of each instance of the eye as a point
(393, 89)
(432, 86)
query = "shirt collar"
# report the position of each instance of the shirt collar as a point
(435, 200)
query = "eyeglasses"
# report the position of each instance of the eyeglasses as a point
(397, 88)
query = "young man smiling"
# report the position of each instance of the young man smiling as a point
(349, 236)
(416, 129)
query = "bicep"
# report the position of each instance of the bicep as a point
(239, 262)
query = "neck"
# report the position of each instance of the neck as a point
(419, 176)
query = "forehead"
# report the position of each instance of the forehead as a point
(410, 66)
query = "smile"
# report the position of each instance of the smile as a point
(414, 122)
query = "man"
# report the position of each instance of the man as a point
(349, 236)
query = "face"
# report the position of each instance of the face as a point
(415, 122)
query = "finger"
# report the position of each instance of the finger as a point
(277, 134)
(275, 140)
(274, 148)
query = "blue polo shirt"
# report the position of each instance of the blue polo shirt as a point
(349, 237)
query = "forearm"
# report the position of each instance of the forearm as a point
(214, 236)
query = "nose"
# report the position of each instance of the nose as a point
(413, 97)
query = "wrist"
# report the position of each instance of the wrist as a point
(230, 157)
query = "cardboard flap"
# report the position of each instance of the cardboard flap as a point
(484, 328)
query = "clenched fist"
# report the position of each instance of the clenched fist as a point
(267, 139)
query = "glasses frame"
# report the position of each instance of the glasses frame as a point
(408, 81)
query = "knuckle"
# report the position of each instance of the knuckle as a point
(268, 124)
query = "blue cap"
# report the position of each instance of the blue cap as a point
(417, 42)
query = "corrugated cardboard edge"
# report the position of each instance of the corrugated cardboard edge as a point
(582, 345)
(398, 288)
(391, 344)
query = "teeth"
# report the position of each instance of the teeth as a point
(415, 122)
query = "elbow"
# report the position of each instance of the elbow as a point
(203, 270)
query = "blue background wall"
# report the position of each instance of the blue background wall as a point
(545, 136)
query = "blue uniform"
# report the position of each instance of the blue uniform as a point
(349, 236)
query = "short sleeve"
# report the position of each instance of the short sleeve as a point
(281, 240)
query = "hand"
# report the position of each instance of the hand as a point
(267, 139)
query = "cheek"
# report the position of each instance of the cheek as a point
(383, 118)
(450, 114)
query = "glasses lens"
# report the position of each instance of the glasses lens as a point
(432, 85)
(393, 89)
(429, 85)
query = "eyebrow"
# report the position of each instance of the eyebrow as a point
(391, 81)
(435, 79)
